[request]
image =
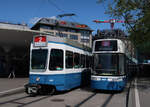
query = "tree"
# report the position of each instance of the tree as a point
(136, 13)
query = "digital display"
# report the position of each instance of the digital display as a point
(108, 45)
(105, 43)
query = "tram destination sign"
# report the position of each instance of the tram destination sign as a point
(108, 45)
(40, 41)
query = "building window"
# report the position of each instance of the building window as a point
(46, 27)
(50, 33)
(72, 30)
(84, 32)
(74, 37)
(85, 40)
(56, 59)
(62, 35)
(69, 59)
(85, 37)
(61, 29)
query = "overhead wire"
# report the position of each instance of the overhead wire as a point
(59, 9)
(55, 5)
(35, 14)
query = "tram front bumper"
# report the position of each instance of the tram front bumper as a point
(106, 85)
(32, 88)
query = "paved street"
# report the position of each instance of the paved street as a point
(8, 84)
(84, 97)
(144, 91)
(77, 97)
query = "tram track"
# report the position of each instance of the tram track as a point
(12, 92)
(85, 100)
(23, 98)
(109, 98)
(104, 104)
(128, 93)
(102, 99)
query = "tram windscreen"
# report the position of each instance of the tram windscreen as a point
(106, 45)
(106, 64)
(39, 58)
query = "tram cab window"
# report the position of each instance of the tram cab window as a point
(39, 58)
(121, 64)
(76, 60)
(56, 59)
(106, 64)
(69, 59)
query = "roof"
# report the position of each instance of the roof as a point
(61, 23)
(13, 35)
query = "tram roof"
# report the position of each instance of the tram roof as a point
(107, 39)
(68, 42)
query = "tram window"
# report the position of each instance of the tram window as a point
(82, 61)
(56, 59)
(76, 60)
(91, 61)
(69, 59)
(87, 61)
(121, 64)
(39, 58)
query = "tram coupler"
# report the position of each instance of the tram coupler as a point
(32, 89)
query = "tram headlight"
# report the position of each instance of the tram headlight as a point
(115, 79)
(110, 79)
(38, 79)
(95, 78)
(119, 79)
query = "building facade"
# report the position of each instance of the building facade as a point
(71, 30)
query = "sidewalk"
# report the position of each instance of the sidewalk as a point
(8, 86)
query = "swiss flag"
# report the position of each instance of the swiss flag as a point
(40, 39)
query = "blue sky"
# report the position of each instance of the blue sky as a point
(24, 11)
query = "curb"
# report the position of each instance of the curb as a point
(12, 91)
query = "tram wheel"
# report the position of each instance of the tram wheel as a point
(52, 90)
(47, 90)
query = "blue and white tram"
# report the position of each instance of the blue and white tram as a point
(110, 67)
(56, 64)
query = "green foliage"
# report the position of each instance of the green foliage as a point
(136, 13)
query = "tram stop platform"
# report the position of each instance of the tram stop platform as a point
(11, 86)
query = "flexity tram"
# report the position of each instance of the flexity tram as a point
(112, 65)
(57, 64)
